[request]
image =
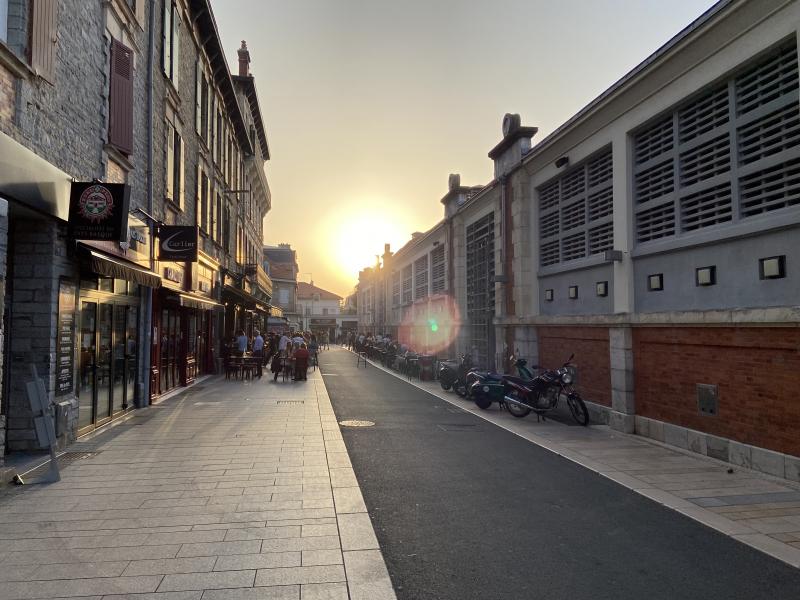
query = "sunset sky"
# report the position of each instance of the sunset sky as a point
(370, 104)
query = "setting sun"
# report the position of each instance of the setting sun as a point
(359, 238)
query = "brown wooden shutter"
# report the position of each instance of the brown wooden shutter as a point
(181, 177)
(166, 39)
(120, 98)
(44, 32)
(198, 205)
(198, 95)
(169, 190)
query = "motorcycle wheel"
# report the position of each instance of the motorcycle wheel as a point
(483, 403)
(461, 389)
(515, 410)
(445, 386)
(578, 409)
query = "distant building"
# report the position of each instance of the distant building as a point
(281, 263)
(320, 309)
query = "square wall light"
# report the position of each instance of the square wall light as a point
(704, 276)
(655, 282)
(773, 267)
(548, 295)
(573, 292)
(602, 288)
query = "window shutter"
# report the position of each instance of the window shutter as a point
(166, 51)
(120, 98)
(181, 178)
(198, 206)
(198, 93)
(44, 28)
(170, 163)
(176, 46)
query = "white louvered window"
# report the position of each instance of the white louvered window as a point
(575, 212)
(421, 277)
(396, 288)
(726, 155)
(438, 273)
(408, 291)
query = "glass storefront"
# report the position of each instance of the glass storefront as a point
(109, 325)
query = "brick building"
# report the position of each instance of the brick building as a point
(655, 234)
(109, 91)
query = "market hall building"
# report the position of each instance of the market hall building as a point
(112, 323)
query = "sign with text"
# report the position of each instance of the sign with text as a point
(99, 211)
(65, 344)
(178, 243)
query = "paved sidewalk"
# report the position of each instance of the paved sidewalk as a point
(231, 490)
(756, 509)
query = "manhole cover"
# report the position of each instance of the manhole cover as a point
(356, 423)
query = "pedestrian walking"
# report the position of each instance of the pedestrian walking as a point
(258, 352)
(241, 343)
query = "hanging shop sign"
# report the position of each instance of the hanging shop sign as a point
(178, 243)
(99, 211)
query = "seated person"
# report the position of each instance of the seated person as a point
(301, 363)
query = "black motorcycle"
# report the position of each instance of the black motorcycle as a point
(453, 374)
(540, 394)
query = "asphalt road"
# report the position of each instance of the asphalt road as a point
(466, 510)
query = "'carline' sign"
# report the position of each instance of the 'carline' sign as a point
(99, 211)
(178, 243)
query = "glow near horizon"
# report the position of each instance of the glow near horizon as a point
(370, 104)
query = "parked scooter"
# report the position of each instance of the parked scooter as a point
(526, 393)
(453, 374)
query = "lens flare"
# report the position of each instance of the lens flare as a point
(430, 326)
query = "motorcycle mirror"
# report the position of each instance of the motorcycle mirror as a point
(571, 356)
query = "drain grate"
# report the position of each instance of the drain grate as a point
(282, 402)
(356, 423)
(64, 460)
(457, 427)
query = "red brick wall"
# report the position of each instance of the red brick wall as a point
(757, 370)
(590, 346)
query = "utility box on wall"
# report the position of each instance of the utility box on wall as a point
(62, 417)
(707, 399)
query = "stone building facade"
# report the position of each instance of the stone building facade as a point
(654, 235)
(76, 105)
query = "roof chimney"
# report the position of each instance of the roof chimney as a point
(244, 60)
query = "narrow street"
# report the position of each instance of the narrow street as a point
(466, 510)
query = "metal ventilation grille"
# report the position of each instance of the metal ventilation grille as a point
(754, 116)
(772, 134)
(573, 184)
(703, 115)
(601, 238)
(654, 141)
(706, 208)
(769, 80)
(705, 161)
(574, 246)
(549, 254)
(437, 270)
(573, 215)
(572, 205)
(548, 225)
(770, 189)
(480, 286)
(601, 204)
(655, 182)
(600, 170)
(655, 223)
(548, 196)
(421, 277)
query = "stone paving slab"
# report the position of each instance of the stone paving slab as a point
(697, 486)
(234, 490)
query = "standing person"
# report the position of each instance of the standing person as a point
(283, 343)
(300, 363)
(241, 343)
(258, 352)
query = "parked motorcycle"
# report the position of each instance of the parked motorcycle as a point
(526, 393)
(453, 374)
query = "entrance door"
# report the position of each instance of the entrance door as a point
(86, 384)
(131, 351)
(104, 370)
(119, 379)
